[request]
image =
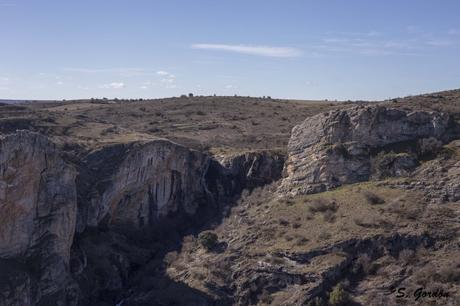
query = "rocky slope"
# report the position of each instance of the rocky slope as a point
(366, 190)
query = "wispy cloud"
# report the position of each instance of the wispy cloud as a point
(168, 79)
(378, 44)
(113, 85)
(268, 51)
(440, 43)
(125, 72)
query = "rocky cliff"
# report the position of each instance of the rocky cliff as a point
(37, 218)
(253, 169)
(137, 184)
(339, 147)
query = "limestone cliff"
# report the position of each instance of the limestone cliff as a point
(137, 184)
(336, 147)
(256, 168)
(37, 218)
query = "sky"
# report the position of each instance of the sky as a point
(334, 49)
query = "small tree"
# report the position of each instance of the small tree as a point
(317, 301)
(208, 240)
(338, 296)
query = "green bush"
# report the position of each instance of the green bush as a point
(317, 301)
(338, 296)
(208, 240)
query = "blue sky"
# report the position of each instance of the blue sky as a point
(350, 49)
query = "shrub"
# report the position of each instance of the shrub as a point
(406, 256)
(283, 222)
(338, 296)
(320, 205)
(301, 241)
(449, 274)
(317, 301)
(372, 198)
(265, 297)
(329, 216)
(364, 264)
(208, 240)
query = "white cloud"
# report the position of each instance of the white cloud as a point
(113, 85)
(440, 43)
(168, 80)
(125, 72)
(161, 72)
(230, 86)
(252, 50)
(60, 83)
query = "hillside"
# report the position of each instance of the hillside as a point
(230, 201)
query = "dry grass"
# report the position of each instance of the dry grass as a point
(220, 125)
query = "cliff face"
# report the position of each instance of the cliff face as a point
(37, 215)
(335, 148)
(139, 183)
(253, 169)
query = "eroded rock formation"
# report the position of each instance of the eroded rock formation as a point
(137, 184)
(335, 148)
(253, 169)
(37, 218)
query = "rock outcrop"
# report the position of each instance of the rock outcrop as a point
(37, 218)
(253, 169)
(137, 184)
(335, 148)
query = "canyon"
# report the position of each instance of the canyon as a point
(106, 203)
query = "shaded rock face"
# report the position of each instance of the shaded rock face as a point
(335, 148)
(392, 164)
(253, 169)
(37, 217)
(137, 184)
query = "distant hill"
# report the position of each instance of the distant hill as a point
(6, 101)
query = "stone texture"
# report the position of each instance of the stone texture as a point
(335, 148)
(37, 211)
(253, 169)
(138, 184)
